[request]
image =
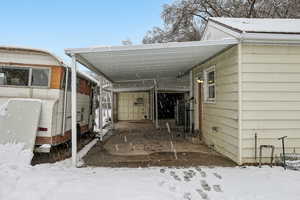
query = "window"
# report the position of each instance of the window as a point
(40, 77)
(24, 76)
(210, 85)
(14, 76)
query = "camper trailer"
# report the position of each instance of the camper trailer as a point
(37, 74)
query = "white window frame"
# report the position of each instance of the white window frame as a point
(49, 77)
(207, 85)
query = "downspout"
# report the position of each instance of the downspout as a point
(191, 102)
(65, 105)
(240, 104)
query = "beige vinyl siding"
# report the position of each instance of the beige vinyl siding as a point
(222, 114)
(129, 110)
(270, 97)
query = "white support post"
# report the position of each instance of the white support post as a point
(112, 107)
(153, 104)
(156, 106)
(74, 110)
(192, 101)
(106, 105)
(100, 117)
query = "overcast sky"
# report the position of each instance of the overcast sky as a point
(57, 24)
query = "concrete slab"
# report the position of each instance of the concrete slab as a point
(140, 144)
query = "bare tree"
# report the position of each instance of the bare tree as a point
(184, 20)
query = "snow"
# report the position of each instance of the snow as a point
(261, 25)
(14, 155)
(19, 180)
(3, 109)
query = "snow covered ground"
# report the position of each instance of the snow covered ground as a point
(19, 180)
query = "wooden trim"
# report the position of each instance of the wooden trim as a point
(56, 77)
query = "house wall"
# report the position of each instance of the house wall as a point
(214, 32)
(128, 107)
(270, 97)
(222, 114)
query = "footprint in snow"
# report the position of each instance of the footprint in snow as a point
(217, 188)
(202, 194)
(205, 185)
(203, 174)
(218, 175)
(188, 175)
(175, 176)
(187, 196)
(198, 169)
(161, 183)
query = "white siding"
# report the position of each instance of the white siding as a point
(128, 110)
(270, 97)
(224, 113)
(213, 33)
(27, 57)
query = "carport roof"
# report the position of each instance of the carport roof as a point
(148, 61)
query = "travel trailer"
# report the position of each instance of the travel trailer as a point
(36, 74)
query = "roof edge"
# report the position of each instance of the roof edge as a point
(35, 50)
(71, 51)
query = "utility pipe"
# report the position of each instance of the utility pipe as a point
(65, 105)
(191, 102)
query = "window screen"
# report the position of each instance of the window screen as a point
(40, 77)
(14, 76)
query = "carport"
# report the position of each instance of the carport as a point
(153, 67)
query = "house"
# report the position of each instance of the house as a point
(241, 79)
(251, 87)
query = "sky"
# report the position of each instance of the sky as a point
(58, 24)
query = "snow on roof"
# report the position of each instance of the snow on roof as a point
(260, 25)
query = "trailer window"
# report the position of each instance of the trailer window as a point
(14, 76)
(40, 77)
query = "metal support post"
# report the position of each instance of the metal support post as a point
(156, 106)
(112, 107)
(74, 111)
(100, 117)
